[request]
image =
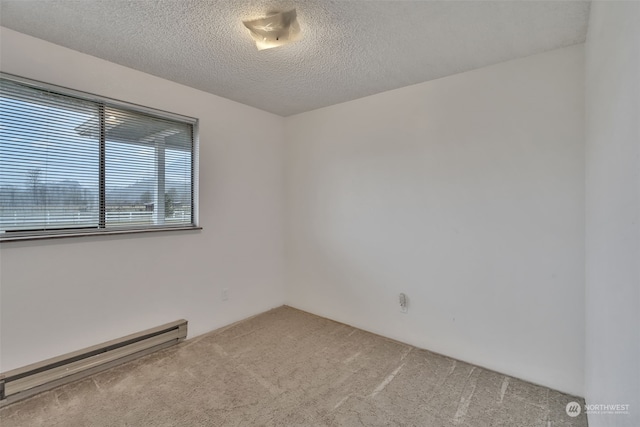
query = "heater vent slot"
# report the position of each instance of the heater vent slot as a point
(38, 377)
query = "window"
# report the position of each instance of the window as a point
(73, 163)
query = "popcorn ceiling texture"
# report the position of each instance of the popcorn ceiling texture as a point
(348, 50)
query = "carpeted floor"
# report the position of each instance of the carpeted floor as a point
(290, 368)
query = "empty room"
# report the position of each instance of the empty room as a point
(319, 213)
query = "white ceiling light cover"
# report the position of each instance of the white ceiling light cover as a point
(274, 30)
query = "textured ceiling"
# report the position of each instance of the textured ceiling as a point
(349, 49)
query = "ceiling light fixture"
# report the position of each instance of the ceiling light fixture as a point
(274, 30)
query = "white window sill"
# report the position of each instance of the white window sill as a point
(22, 236)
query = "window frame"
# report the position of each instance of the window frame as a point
(103, 102)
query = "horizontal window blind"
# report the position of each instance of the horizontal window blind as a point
(74, 164)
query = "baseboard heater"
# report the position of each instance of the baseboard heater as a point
(24, 382)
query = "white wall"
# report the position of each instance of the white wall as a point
(62, 295)
(613, 211)
(467, 194)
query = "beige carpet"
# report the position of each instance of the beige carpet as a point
(290, 368)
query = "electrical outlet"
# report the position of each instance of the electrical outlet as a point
(404, 303)
(225, 294)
